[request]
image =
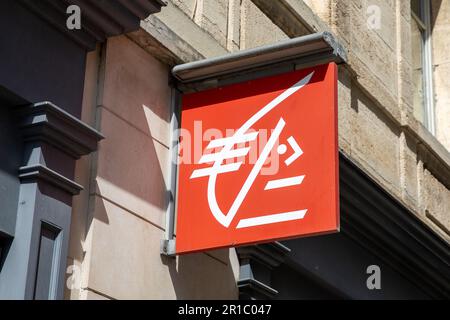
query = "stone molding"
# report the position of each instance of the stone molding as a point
(256, 265)
(99, 19)
(45, 121)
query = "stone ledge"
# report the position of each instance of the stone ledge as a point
(433, 154)
(182, 25)
(164, 44)
(99, 20)
(47, 122)
(256, 265)
(41, 172)
(270, 254)
(251, 288)
(285, 13)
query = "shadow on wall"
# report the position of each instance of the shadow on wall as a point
(435, 6)
(203, 275)
(128, 171)
(134, 117)
(132, 174)
(132, 170)
(130, 194)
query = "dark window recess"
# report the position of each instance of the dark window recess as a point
(48, 261)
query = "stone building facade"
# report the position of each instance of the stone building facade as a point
(118, 219)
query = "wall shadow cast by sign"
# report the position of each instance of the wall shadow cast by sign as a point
(203, 275)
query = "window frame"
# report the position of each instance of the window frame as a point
(424, 23)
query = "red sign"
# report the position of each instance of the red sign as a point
(259, 161)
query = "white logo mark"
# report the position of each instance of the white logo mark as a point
(243, 135)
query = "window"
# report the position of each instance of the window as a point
(422, 63)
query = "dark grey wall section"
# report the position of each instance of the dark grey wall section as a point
(341, 263)
(297, 285)
(256, 265)
(49, 242)
(12, 281)
(35, 263)
(10, 159)
(38, 62)
(47, 265)
(41, 60)
(99, 19)
(28, 272)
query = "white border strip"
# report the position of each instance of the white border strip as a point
(220, 142)
(220, 169)
(272, 218)
(285, 182)
(219, 156)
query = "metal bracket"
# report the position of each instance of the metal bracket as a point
(168, 248)
(309, 47)
(167, 244)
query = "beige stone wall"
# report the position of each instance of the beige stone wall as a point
(118, 221)
(256, 28)
(225, 25)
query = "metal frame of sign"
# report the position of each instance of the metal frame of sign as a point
(281, 57)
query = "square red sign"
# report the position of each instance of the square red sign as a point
(259, 161)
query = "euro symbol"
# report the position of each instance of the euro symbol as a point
(227, 151)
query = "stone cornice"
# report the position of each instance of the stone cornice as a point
(41, 172)
(163, 43)
(256, 264)
(44, 121)
(99, 18)
(269, 254)
(251, 288)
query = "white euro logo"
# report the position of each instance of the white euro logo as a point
(227, 152)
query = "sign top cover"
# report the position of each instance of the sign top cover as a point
(258, 161)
